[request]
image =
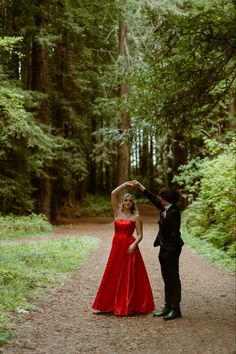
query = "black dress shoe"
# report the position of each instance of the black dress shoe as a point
(172, 315)
(162, 312)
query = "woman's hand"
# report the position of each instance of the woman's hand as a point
(136, 184)
(132, 247)
(129, 184)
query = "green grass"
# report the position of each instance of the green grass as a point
(6, 328)
(13, 227)
(27, 269)
(208, 251)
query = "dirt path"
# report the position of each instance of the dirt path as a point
(66, 324)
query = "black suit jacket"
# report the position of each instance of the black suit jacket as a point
(169, 236)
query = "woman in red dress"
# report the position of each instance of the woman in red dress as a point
(125, 288)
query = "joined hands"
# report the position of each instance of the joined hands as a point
(135, 184)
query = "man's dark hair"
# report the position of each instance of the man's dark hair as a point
(169, 194)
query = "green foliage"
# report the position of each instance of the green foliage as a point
(12, 227)
(209, 251)
(8, 43)
(190, 177)
(188, 69)
(25, 144)
(69, 164)
(28, 269)
(212, 214)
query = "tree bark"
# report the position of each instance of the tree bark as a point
(124, 121)
(40, 83)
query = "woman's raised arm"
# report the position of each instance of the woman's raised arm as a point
(115, 195)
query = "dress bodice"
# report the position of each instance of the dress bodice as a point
(124, 226)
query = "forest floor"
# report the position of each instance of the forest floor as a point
(65, 323)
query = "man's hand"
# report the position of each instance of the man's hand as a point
(136, 184)
(129, 184)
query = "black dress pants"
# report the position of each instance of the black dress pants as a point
(169, 261)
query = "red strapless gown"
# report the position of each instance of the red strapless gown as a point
(125, 288)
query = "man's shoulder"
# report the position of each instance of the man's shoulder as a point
(174, 209)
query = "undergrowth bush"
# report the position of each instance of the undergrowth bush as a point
(211, 214)
(95, 205)
(12, 226)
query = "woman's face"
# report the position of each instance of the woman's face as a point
(128, 203)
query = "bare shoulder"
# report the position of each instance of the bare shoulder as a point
(138, 218)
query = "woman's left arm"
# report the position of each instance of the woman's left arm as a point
(139, 231)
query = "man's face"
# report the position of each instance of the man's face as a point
(164, 202)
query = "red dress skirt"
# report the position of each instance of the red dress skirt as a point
(125, 288)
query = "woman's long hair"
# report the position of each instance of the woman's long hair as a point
(133, 209)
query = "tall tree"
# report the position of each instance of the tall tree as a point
(124, 121)
(39, 82)
(185, 74)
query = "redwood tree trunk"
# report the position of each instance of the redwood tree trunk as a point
(124, 122)
(40, 83)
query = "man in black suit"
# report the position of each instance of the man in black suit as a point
(170, 242)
